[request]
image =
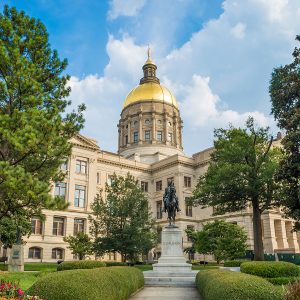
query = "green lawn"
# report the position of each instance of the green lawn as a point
(34, 267)
(23, 280)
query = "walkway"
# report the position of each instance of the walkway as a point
(167, 293)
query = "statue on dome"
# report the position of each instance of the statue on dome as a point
(171, 205)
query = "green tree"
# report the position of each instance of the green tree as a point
(34, 128)
(192, 238)
(80, 245)
(241, 172)
(221, 239)
(285, 98)
(122, 222)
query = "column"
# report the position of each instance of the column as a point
(140, 128)
(129, 131)
(291, 236)
(165, 134)
(270, 242)
(153, 129)
(175, 133)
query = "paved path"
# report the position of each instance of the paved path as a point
(167, 293)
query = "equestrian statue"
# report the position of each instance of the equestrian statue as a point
(171, 205)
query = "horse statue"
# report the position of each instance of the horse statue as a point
(171, 205)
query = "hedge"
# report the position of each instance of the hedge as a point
(116, 283)
(270, 269)
(80, 264)
(283, 280)
(233, 263)
(115, 264)
(228, 285)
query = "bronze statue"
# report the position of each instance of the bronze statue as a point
(171, 203)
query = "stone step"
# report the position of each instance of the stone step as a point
(170, 281)
(170, 274)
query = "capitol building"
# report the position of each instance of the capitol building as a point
(150, 148)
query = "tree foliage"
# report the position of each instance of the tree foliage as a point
(285, 98)
(80, 245)
(122, 222)
(223, 240)
(34, 127)
(241, 171)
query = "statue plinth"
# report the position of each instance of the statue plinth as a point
(16, 258)
(172, 258)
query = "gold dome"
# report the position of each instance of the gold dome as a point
(150, 91)
(150, 88)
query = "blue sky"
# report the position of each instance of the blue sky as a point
(216, 56)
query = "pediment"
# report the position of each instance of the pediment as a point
(84, 142)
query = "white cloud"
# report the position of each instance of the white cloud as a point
(128, 8)
(238, 30)
(220, 75)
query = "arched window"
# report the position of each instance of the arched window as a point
(35, 253)
(57, 253)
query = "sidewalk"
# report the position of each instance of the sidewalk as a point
(167, 293)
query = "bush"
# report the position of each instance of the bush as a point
(115, 264)
(270, 269)
(292, 291)
(283, 280)
(233, 263)
(80, 264)
(116, 283)
(228, 285)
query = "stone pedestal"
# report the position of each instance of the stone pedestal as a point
(171, 269)
(172, 258)
(16, 259)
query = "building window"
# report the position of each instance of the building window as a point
(110, 180)
(158, 209)
(35, 253)
(191, 256)
(36, 226)
(98, 178)
(79, 200)
(144, 186)
(158, 185)
(58, 226)
(192, 228)
(60, 189)
(159, 136)
(147, 135)
(81, 166)
(64, 166)
(170, 137)
(57, 253)
(135, 137)
(187, 181)
(189, 210)
(126, 139)
(170, 179)
(78, 226)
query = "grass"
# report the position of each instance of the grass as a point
(34, 267)
(24, 280)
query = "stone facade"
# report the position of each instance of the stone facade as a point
(153, 160)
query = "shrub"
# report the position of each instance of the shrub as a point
(292, 291)
(115, 264)
(233, 263)
(283, 280)
(80, 264)
(270, 269)
(116, 283)
(228, 285)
